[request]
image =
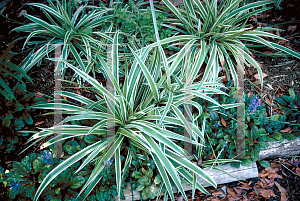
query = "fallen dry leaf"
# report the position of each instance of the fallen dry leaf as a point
(280, 88)
(38, 123)
(231, 193)
(298, 171)
(216, 193)
(268, 101)
(263, 180)
(223, 122)
(245, 198)
(286, 130)
(280, 188)
(250, 72)
(238, 190)
(270, 170)
(267, 193)
(292, 28)
(258, 77)
(233, 199)
(274, 175)
(263, 175)
(200, 161)
(283, 197)
(245, 185)
(276, 165)
(259, 183)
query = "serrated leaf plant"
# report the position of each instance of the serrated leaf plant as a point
(24, 177)
(259, 128)
(16, 113)
(75, 29)
(144, 107)
(221, 26)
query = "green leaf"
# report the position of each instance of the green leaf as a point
(30, 190)
(247, 162)
(37, 165)
(21, 169)
(140, 188)
(77, 181)
(292, 93)
(69, 149)
(264, 163)
(57, 191)
(27, 118)
(157, 179)
(235, 164)
(278, 136)
(6, 121)
(91, 139)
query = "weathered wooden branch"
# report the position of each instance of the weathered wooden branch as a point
(281, 149)
(219, 177)
(276, 149)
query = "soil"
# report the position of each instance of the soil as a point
(282, 72)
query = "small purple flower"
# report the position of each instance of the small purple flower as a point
(108, 162)
(15, 186)
(253, 105)
(217, 124)
(47, 156)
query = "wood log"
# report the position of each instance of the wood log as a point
(244, 172)
(281, 149)
(276, 149)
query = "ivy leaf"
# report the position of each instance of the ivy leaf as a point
(90, 139)
(6, 121)
(21, 169)
(278, 136)
(247, 162)
(157, 179)
(69, 149)
(140, 188)
(12, 193)
(29, 190)
(13, 139)
(37, 165)
(77, 181)
(19, 106)
(27, 118)
(264, 163)
(292, 93)
(235, 164)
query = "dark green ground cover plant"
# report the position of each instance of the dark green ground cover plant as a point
(15, 114)
(24, 178)
(260, 128)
